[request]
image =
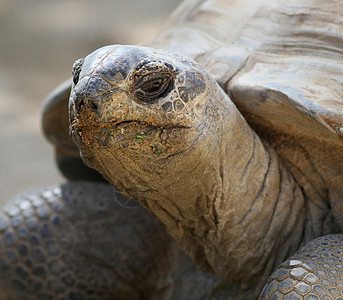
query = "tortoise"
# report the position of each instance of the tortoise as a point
(228, 128)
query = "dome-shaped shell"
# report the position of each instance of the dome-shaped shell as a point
(280, 61)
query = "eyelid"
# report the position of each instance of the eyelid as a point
(144, 94)
(151, 77)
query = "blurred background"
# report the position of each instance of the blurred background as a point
(39, 41)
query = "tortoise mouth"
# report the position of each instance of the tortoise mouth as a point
(146, 137)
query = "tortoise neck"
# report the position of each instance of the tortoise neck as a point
(257, 209)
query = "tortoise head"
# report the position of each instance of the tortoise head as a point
(134, 111)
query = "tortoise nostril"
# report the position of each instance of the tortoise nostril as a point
(92, 105)
(79, 104)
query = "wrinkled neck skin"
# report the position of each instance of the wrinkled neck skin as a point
(226, 200)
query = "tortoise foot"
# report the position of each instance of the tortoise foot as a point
(314, 272)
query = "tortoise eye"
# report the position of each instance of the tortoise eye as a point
(152, 86)
(77, 70)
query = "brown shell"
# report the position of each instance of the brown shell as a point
(280, 61)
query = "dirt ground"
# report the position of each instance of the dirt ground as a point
(39, 41)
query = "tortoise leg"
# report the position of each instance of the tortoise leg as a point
(314, 272)
(76, 241)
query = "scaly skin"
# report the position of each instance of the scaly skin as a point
(314, 272)
(75, 241)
